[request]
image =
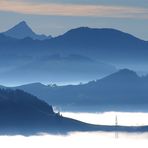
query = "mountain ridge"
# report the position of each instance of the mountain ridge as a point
(113, 47)
(22, 30)
(119, 89)
(110, 30)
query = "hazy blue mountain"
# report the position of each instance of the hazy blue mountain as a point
(82, 53)
(107, 45)
(2, 87)
(5, 39)
(120, 89)
(103, 43)
(54, 68)
(22, 30)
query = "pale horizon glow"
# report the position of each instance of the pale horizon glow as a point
(73, 10)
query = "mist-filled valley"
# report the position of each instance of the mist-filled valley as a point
(85, 87)
(79, 55)
(77, 139)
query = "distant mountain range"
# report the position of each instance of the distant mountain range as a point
(22, 30)
(123, 90)
(79, 55)
(55, 68)
(105, 44)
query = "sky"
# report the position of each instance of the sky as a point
(55, 17)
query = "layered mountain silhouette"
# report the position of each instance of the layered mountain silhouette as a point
(101, 43)
(108, 45)
(81, 54)
(114, 92)
(55, 68)
(22, 30)
(104, 43)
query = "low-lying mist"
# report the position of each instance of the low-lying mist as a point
(87, 139)
(108, 118)
(73, 140)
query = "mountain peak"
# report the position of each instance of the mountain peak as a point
(123, 75)
(22, 24)
(127, 72)
(22, 30)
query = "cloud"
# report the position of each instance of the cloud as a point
(73, 10)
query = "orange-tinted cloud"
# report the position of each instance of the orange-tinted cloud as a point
(73, 10)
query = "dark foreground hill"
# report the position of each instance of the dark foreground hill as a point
(22, 113)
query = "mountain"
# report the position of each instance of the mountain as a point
(108, 45)
(79, 55)
(5, 39)
(22, 30)
(55, 68)
(114, 92)
(20, 110)
(24, 114)
(105, 43)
